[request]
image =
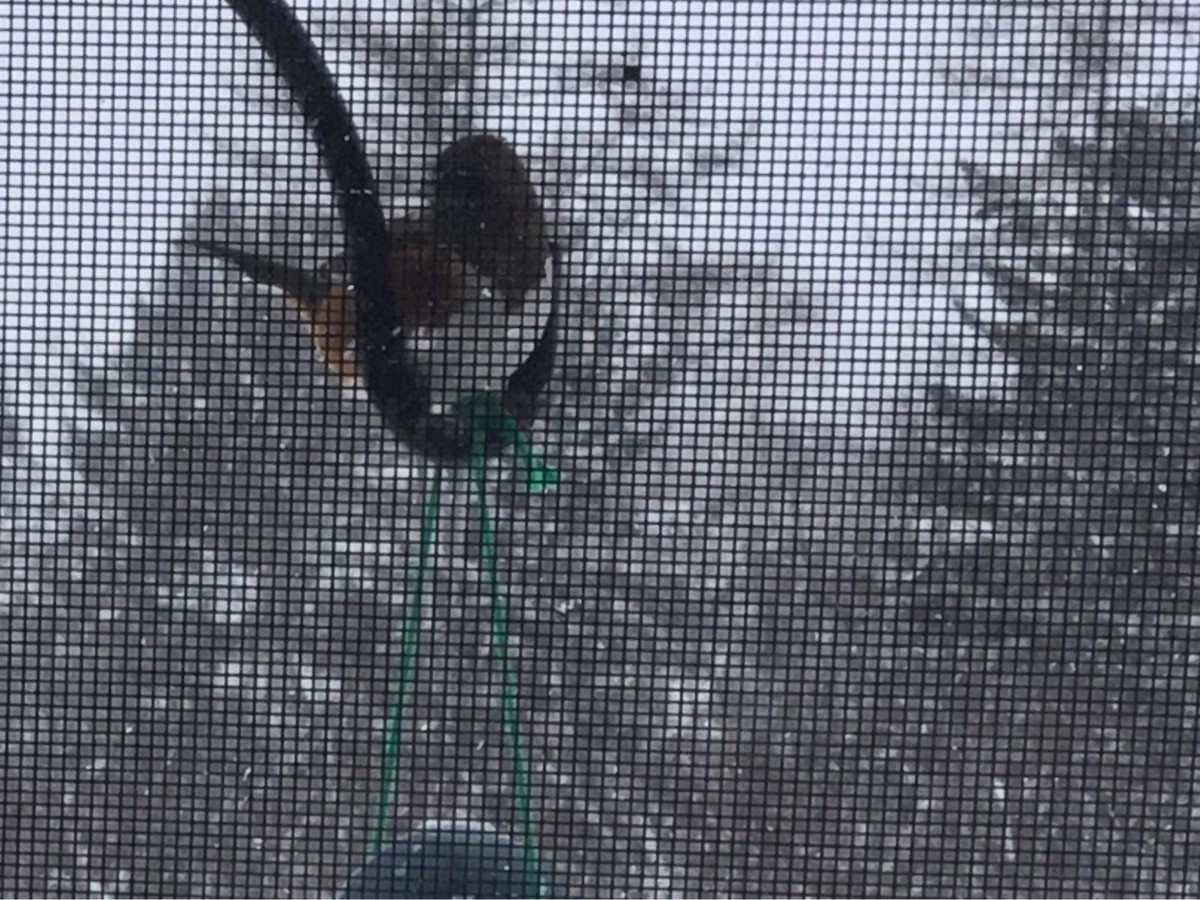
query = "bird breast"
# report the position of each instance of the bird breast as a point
(482, 339)
(460, 333)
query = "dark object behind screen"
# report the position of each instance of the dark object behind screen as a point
(445, 859)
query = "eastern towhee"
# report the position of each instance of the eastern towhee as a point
(472, 277)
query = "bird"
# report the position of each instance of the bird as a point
(472, 277)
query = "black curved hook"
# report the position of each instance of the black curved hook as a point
(395, 386)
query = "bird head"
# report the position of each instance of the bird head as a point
(486, 208)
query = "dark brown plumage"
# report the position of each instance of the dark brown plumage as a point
(428, 283)
(486, 208)
(486, 227)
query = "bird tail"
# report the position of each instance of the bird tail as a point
(309, 288)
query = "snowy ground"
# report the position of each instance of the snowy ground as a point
(210, 538)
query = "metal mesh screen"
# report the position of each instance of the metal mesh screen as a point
(869, 565)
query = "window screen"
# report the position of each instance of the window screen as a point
(757, 457)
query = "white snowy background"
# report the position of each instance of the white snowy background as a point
(205, 541)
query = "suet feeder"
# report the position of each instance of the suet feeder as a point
(445, 859)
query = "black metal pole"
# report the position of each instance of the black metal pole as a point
(396, 389)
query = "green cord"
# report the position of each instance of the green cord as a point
(538, 476)
(510, 701)
(483, 414)
(408, 656)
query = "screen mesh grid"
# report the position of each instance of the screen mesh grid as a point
(848, 550)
